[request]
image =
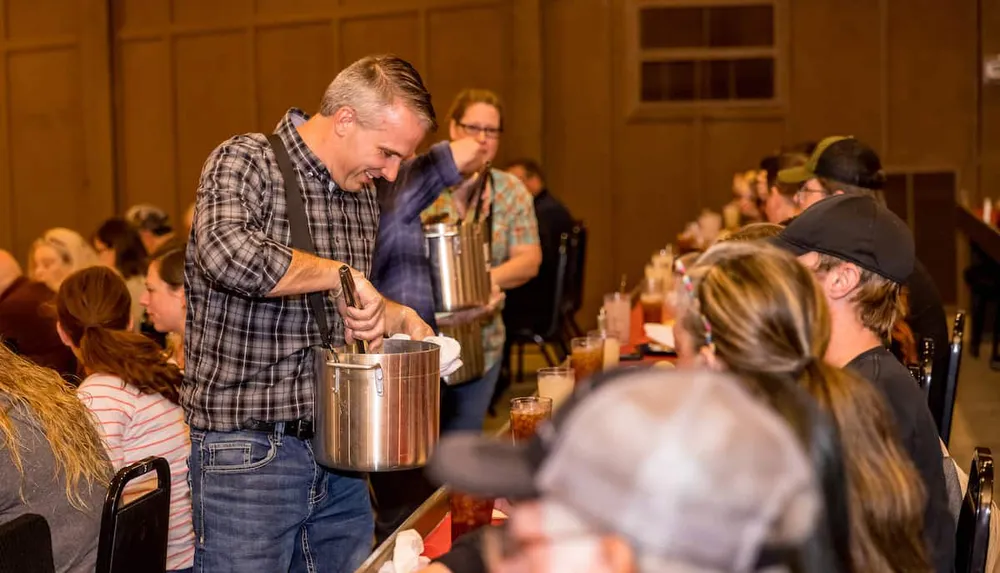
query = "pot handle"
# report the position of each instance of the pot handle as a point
(379, 387)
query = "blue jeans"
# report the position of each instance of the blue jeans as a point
(464, 407)
(261, 503)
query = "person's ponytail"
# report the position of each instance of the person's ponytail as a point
(132, 357)
(94, 309)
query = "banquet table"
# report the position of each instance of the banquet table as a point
(432, 521)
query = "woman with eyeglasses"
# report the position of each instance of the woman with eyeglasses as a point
(751, 309)
(508, 209)
(57, 254)
(120, 247)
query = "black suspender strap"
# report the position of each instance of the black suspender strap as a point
(298, 227)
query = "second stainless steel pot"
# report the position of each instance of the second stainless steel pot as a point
(459, 265)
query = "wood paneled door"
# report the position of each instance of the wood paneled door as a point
(188, 73)
(55, 119)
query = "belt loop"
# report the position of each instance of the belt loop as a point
(279, 432)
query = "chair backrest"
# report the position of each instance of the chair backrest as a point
(951, 380)
(973, 536)
(577, 264)
(26, 545)
(926, 364)
(559, 307)
(134, 535)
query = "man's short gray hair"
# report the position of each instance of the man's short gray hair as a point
(376, 82)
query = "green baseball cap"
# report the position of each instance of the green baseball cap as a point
(839, 158)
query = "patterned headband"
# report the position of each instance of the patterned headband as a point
(689, 287)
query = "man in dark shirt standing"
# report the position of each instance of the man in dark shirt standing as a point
(530, 305)
(846, 166)
(25, 325)
(861, 253)
(261, 501)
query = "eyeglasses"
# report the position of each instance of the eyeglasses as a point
(476, 130)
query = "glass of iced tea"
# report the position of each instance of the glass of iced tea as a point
(469, 513)
(526, 414)
(587, 356)
(556, 383)
(651, 299)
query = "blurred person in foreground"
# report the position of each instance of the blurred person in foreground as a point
(846, 166)
(27, 324)
(53, 463)
(635, 474)
(754, 310)
(861, 254)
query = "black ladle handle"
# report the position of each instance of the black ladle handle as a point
(351, 299)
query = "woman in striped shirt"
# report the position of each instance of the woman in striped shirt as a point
(132, 391)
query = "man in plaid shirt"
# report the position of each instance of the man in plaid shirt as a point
(261, 502)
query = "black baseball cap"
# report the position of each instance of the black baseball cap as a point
(839, 158)
(855, 228)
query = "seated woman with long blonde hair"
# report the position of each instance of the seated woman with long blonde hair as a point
(756, 311)
(52, 463)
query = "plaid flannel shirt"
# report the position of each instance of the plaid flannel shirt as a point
(248, 357)
(401, 270)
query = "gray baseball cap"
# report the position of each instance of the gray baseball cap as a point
(688, 466)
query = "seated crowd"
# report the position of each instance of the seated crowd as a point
(790, 437)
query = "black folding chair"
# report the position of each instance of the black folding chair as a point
(926, 364)
(553, 332)
(972, 539)
(134, 535)
(26, 545)
(574, 282)
(951, 380)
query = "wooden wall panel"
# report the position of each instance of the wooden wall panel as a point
(989, 105)
(47, 136)
(202, 13)
(215, 100)
(313, 64)
(232, 69)
(578, 125)
(32, 19)
(731, 145)
(655, 191)
(146, 147)
(282, 8)
(931, 107)
(450, 34)
(55, 123)
(835, 77)
(398, 34)
(140, 14)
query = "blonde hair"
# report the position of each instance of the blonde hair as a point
(74, 251)
(768, 320)
(55, 410)
(879, 302)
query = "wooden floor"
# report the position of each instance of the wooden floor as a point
(976, 418)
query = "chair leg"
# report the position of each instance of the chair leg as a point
(520, 363)
(977, 319)
(545, 351)
(995, 347)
